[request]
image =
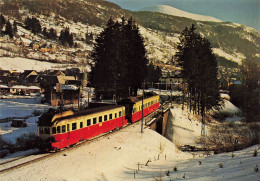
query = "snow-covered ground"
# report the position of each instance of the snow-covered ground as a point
(21, 64)
(117, 158)
(10, 133)
(237, 57)
(19, 108)
(182, 127)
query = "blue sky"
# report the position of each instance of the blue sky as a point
(245, 12)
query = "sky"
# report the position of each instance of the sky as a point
(245, 12)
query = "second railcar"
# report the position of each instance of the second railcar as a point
(150, 104)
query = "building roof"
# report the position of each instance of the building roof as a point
(25, 87)
(4, 87)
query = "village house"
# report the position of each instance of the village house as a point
(69, 93)
(23, 89)
(4, 89)
(27, 73)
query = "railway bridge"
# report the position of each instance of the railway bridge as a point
(157, 121)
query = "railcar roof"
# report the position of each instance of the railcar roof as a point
(46, 118)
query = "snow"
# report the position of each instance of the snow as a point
(176, 12)
(68, 87)
(10, 133)
(182, 127)
(236, 57)
(117, 157)
(225, 96)
(21, 64)
(25, 87)
(229, 108)
(20, 107)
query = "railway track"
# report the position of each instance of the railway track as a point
(52, 154)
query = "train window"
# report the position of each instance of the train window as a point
(81, 124)
(105, 118)
(115, 115)
(139, 108)
(58, 129)
(53, 130)
(41, 130)
(88, 122)
(74, 126)
(68, 127)
(94, 120)
(149, 103)
(146, 105)
(100, 119)
(119, 113)
(47, 130)
(63, 128)
(110, 116)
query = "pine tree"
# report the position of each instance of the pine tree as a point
(9, 29)
(250, 70)
(36, 28)
(45, 33)
(199, 70)
(153, 73)
(120, 61)
(33, 24)
(53, 34)
(66, 37)
(14, 27)
(2, 23)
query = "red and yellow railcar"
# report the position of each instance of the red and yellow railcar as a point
(59, 130)
(150, 104)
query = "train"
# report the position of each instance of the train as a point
(57, 130)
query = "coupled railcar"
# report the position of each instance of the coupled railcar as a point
(59, 130)
(150, 104)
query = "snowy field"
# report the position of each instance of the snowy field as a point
(117, 157)
(19, 108)
(21, 64)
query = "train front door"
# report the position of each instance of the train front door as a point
(68, 130)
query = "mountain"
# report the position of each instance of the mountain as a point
(176, 12)
(230, 42)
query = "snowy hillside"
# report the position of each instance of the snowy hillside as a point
(130, 155)
(176, 12)
(20, 64)
(231, 41)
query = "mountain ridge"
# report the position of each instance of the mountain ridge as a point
(232, 41)
(170, 10)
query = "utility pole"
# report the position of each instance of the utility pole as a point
(142, 110)
(59, 90)
(171, 91)
(79, 99)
